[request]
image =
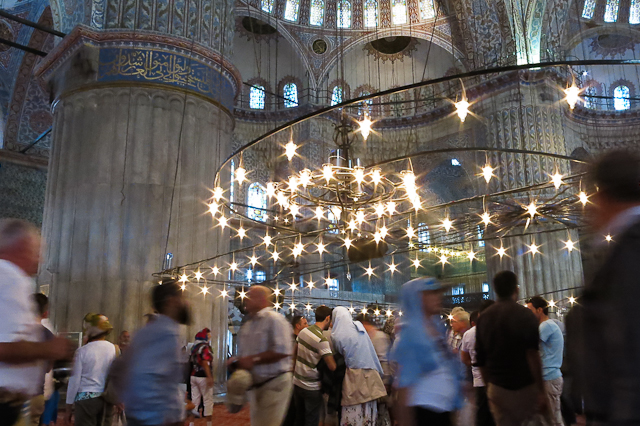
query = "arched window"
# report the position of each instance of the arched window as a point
(480, 237)
(336, 95)
(344, 14)
(424, 237)
(256, 97)
(611, 11)
(290, 93)
(291, 10)
(427, 9)
(589, 9)
(370, 13)
(621, 97)
(399, 11)
(634, 12)
(267, 5)
(316, 17)
(589, 97)
(257, 202)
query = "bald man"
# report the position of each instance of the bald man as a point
(265, 348)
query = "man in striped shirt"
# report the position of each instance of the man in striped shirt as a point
(311, 348)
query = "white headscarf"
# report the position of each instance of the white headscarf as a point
(351, 340)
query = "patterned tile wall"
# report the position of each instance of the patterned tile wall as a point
(22, 192)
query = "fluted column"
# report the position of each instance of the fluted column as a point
(528, 117)
(140, 129)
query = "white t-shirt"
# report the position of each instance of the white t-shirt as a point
(469, 345)
(18, 322)
(90, 367)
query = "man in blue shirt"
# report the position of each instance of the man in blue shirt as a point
(154, 372)
(551, 350)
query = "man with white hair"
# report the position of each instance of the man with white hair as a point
(20, 331)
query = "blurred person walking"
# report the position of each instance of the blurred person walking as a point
(89, 375)
(299, 323)
(201, 376)
(362, 385)
(265, 348)
(551, 353)
(430, 377)
(608, 344)
(46, 386)
(507, 343)
(153, 370)
(468, 357)
(22, 349)
(312, 347)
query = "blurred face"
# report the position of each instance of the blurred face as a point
(27, 252)
(254, 300)
(536, 311)
(302, 324)
(432, 302)
(458, 326)
(125, 338)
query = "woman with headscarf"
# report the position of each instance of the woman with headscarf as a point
(362, 384)
(89, 375)
(430, 376)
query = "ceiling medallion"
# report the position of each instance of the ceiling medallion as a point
(319, 46)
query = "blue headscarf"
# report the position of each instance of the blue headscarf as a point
(351, 340)
(415, 351)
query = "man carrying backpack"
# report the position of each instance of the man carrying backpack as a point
(201, 375)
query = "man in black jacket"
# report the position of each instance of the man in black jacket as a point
(609, 342)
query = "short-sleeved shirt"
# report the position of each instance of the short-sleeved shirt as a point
(266, 330)
(506, 331)
(312, 346)
(469, 346)
(551, 349)
(18, 322)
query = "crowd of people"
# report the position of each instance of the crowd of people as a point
(507, 363)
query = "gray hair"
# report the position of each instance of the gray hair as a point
(13, 231)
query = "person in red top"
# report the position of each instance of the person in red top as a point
(201, 376)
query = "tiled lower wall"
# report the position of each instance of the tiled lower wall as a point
(22, 190)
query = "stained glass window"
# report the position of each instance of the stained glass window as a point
(257, 197)
(480, 237)
(621, 98)
(611, 11)
(256, 97)
(267, 5)
(399, 11)
(588, 9)
(427, 9)
(344, 14)
(424, 237)
(290, 95)
(333, 284)
(232, 179)
(336, 95)
(589, 100)
(291, 10)
(261, 276)
(364, 109)
(316, 17)
(634, 12)
(370, 13)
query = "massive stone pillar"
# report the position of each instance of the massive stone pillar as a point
(141, 123)
(528, 116)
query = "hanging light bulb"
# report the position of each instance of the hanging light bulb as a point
(487, 173)
(415, 200)
(217, 193)
(224, 293)
(569, 245)
(376, 312)
(319, 213)
(305, 177)
(215, 270)
(347, 242)
(327, 172)
(290, 150)
(294, 209)
(446, 224)
(308, 306)
(444, 259)
(532, 209)
(572, 300)
(241, 174)
(359, 217)
(358, 174)
(183, 278)
(267, 240)
(486, 218)
(352, 310)
(222, 221)
(608, 238)
(389, 312)
(365, 127)
(293, 183)
(572, 95)
(392, 267)
(462, 109)
(416, 263)
(583, 198)
(365, 310)
(198, 275)
(253, 259)
(376, 237)
(321, 247)
(501, 251)
(271, 189)
(275, 256)
(376, 176)
(411, 232)
(379, 209)
(391, 207)
(310, 284)
(213, 208)
(534, 249)
(556, 179)
(409, 181)
(242, 233)
(242, 294)
(383, 231)
(471, 256)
